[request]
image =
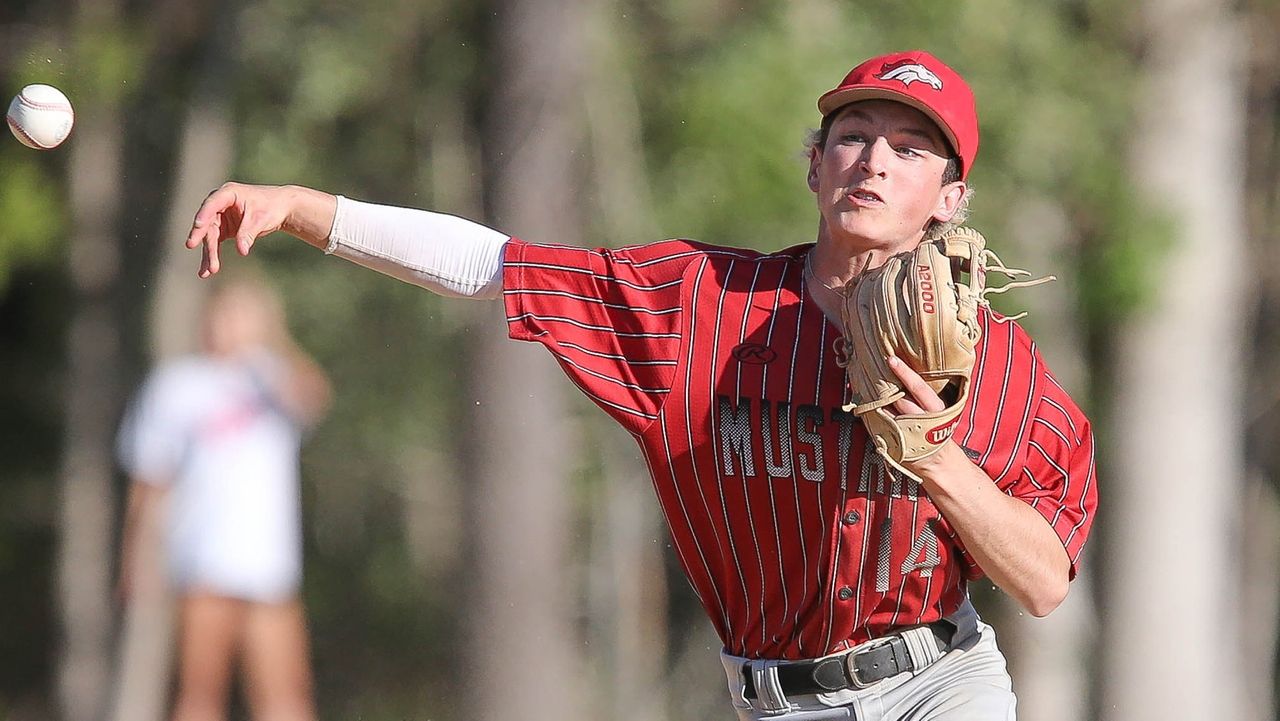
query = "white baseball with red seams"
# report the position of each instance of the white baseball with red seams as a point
(40, 117)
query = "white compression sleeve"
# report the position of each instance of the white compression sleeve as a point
(443, 253)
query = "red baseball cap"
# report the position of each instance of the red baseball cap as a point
(922, 81)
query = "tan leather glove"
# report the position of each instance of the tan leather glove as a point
(921, 306)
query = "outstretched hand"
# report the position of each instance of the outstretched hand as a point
(242, 212)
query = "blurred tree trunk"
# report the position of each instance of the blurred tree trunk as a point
(449, 175)
(204, 160)
(1261, 593)
(629, 601)
(1173, 618)
(524, 645)
(93, 390)
(145, 650)
(1047, 656)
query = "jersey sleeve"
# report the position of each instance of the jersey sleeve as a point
(1058, 478)
(1031, 439)
(151, 439)
(1056, 474)
(611, 318)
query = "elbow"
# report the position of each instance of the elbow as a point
(1047, 597)
(1050, 587)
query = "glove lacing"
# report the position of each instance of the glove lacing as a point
(991, 261)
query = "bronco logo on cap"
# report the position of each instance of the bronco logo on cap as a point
(910, 73)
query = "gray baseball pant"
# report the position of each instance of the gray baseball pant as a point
(968, 683)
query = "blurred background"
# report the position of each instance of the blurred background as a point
(1129, 148)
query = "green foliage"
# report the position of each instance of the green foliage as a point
(98, 69)
(340, 91)
(107, 58)
(32, 206)
(32, 196)
(729, 137)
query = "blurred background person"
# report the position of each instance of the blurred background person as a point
(211, 446)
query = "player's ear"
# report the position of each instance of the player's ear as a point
(949, 199)
(815, 159)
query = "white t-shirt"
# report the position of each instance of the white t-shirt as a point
(212, 429)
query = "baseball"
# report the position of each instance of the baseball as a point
(40, 117)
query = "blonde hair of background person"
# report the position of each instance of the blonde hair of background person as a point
(211, 446)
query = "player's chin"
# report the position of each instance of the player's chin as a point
(868, 231)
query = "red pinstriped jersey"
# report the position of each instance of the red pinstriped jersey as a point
(796, 538)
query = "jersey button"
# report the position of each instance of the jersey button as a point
(851, 518)
(846, 593)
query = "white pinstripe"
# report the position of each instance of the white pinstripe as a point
(746, 491)
(587, 326)
(617, 381)
(688, 424)
(617, 357)
(795, 482)
(594, 275)
(595, 301)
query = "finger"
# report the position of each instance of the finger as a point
(917, 389)
(204, 262)
(196, 235)
(208, 219)
(201, 237)
(904, 407)
(248, 232)
(214, 263)
(218, 201)
(204, 216)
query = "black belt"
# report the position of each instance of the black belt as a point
(852, 669)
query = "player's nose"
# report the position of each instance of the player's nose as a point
(874, 156)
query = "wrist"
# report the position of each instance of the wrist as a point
(310, 214)
(945, 467)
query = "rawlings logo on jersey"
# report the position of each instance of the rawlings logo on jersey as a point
(912, 73)
(754, 354)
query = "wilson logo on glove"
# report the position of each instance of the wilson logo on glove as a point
(942, 432)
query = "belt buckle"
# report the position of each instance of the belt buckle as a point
(899, 649)
(851, 668)
(854, 680)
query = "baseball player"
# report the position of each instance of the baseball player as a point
(836, 583)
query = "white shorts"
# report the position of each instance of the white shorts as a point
(259, 583)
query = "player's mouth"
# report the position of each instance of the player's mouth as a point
(864, 197)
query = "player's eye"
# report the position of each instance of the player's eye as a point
(856, 138)
(907, 151)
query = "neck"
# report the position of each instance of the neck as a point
(830, 265)
(835, 260)
(833, 267)
(827, 293)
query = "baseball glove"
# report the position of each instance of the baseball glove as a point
(921, 306)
